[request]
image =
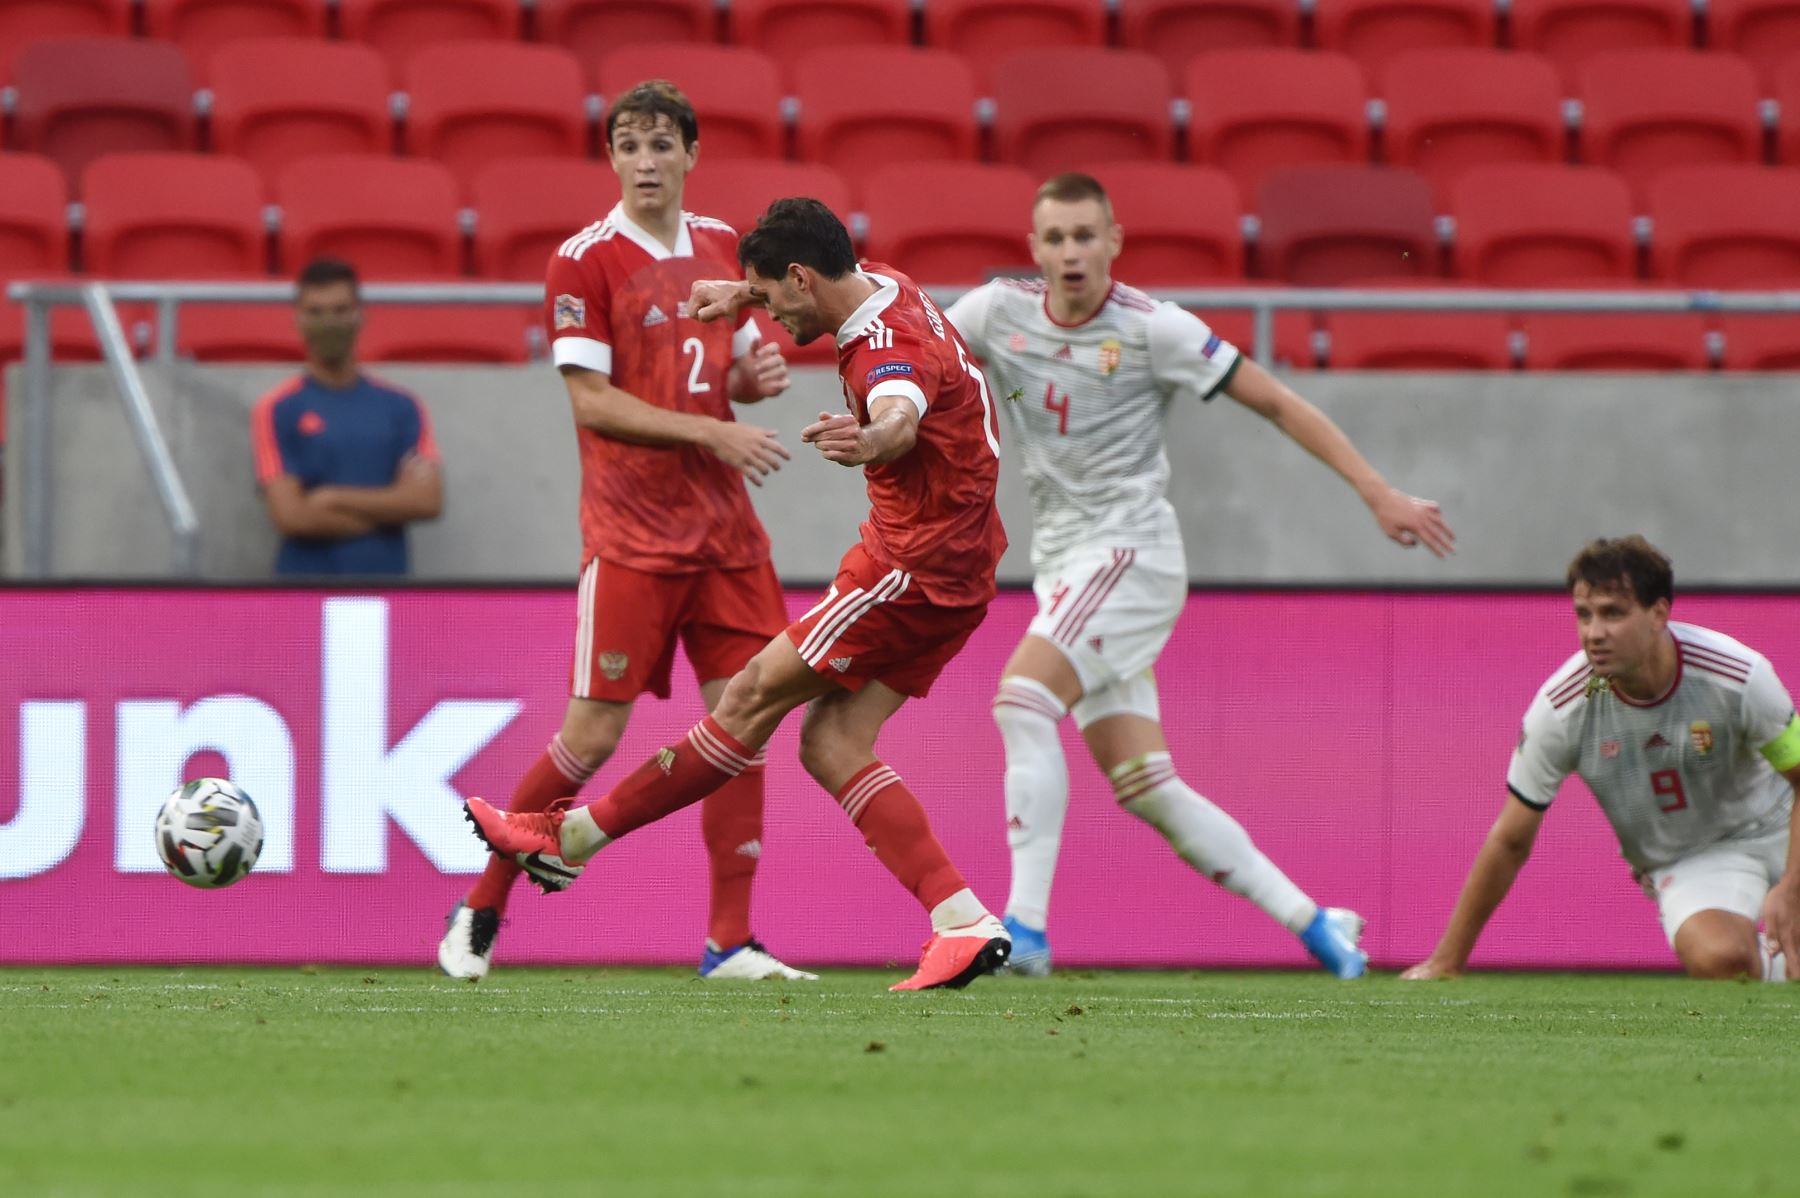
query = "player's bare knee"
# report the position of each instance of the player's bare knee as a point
(1722, 960)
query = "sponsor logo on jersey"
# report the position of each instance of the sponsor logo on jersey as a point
(665, 759)
(613, 665)
(1608, 748)
(1065, 354)
(571, 312)
(1016, 343)
(1212, 346)
(1109, 355)
(654, 317)
(887, 370)
(311, 423)
(1700, 732)
(840, 664)
(1657, 741)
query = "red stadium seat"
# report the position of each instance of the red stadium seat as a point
(1761, 342)
(787, 29)
(950, 222)
(1325, 225)
(225, 333)
(1255, 110)
(398, 28)
(1448, 110)
(1059, 109)
(590, 29)
(25, 21)
(202, 27)
(1374, 31)
(269, 109)
(1179, 31)
(1417, 340)
(736, 93)
(173, 216)
(71, 339)
(1726, 226)
(526, 207)
(1615, 341)
(1183, 224)
(1569, 32)
(475, 336)
(390, 218)
(854, 128)
(1531, 225)
(1295, 339)
(34, 217)
(1766, 32)
(79, 98)
(986, 31)
(1701, 109)
(738, 193)
(1786, 90)
(472, 103)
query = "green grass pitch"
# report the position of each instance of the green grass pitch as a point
(649, 1082)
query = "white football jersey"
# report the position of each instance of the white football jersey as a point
(1673, 775)
(1087, 402)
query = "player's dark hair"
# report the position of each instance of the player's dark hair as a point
(798, 230)
(1072, 187)
(323, 272)
(1624, 563)
(651, 99)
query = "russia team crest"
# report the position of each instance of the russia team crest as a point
(613, 665)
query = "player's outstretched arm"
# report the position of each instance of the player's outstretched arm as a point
(758, 375)
(721, 299)
(1781, 907)
(892, 431)
(614, 412)
(1507, 846)
(1403, 518)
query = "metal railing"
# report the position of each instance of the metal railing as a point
(100, 301)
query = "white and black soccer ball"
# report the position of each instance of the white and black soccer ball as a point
(209, 833)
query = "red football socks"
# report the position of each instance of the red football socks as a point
(731, 822)
(679, 774)
(893, 824)
(556, 774)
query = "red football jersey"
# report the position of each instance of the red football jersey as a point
(931, 510)
(616, 302)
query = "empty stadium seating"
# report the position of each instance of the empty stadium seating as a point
(1569, 32)
(394, 219)
(590, 29)
(1183, 224)
(1761, 342)
(202, 27)
(269, 109)
(1646, 110)
(1527, 224)
(399, 28)
(1449, 110)
(845, 124)
(1616, 341)
(1059, 109)
(1178, 31)
(1256, 110)
(1726, 226)
(1418, 341)
(79, 98)
(787, 29)
(739, 192)
(1323, 226)
(1373, 31)
(736, 93)
(950, 222)
(1786, 89)
(475, 102)
(173, 216)
(473, 335)
(232, 333)
(986, 31)
(34, 198)
(1765, 32)
(526, 207)
(25, 21)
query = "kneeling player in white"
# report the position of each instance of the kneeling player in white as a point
(1088, 369)
(1691, 746)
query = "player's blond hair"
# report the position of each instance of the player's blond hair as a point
(1071, 187)
(654, 98)
(1624, 563)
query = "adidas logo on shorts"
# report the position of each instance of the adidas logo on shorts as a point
(840, 664)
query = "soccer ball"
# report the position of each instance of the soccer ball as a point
(209, 833)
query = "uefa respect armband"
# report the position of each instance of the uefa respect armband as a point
(1784, 751)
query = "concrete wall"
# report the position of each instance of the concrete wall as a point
(1526, 466)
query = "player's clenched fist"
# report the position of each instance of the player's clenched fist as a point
(840, 438)
(762, 374)
(715, 299)
(752, 450)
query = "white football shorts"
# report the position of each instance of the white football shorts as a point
(1111, 611)
(1733, 875)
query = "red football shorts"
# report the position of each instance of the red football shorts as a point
(874, 625)
(628, 622)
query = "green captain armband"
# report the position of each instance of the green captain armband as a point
(1784, 751)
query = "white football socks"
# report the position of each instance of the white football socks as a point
(1208, 839)
(581, 837)
(1037, 792)
(958, 911)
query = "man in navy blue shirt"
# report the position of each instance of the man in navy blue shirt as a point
(345, 462)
